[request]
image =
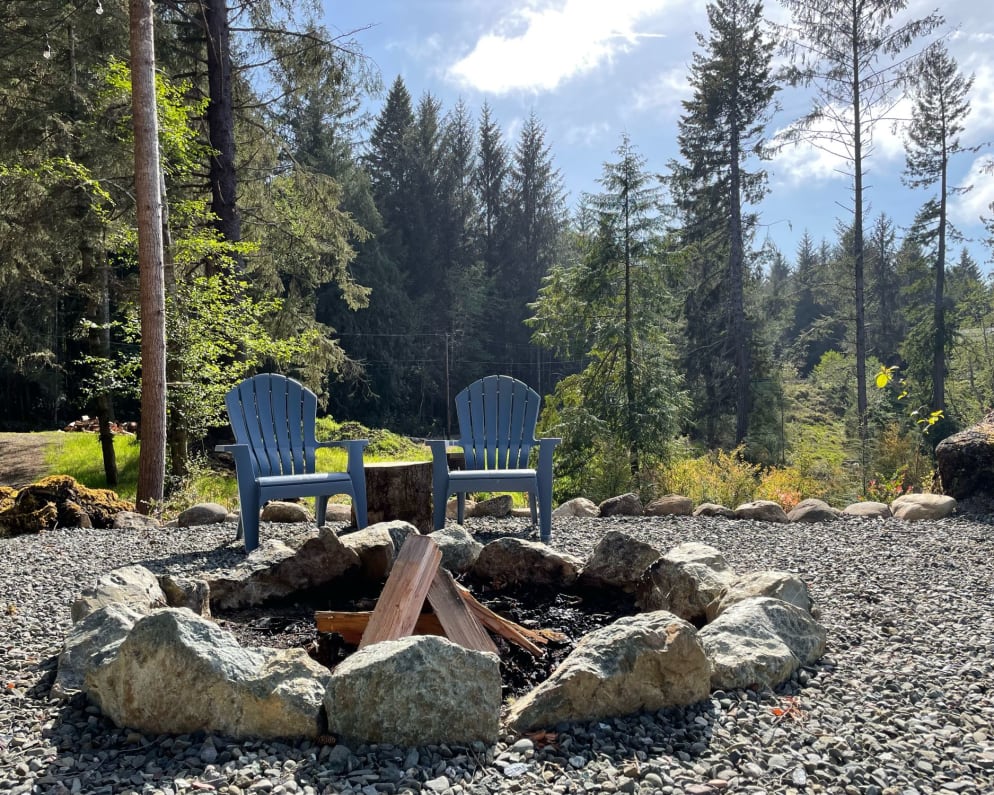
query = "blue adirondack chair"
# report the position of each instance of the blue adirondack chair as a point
(497, 417)
(273, 419)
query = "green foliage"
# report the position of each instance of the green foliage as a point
(383, 444)
(79, 456)
(218, 335)
(611, 307)
(787, 486)
(722, 477)
(200, 483)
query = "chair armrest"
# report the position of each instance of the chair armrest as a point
(439, 447)
(545, 448)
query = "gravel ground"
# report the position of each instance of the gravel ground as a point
(902, 703)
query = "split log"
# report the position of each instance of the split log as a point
(403, 595)
(352, 625)
(459, 621)
(515, 633)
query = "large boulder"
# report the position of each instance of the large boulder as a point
(285, 512)
(760, 642)
(713, 509)
(622, 505)
(684, 581)
(507, 562)
(417, 690)
(645, 662)
(275, 569)
(203, 513)
(965, 461)
(911, 507)
(868, 509)
(813, 510)
(134, 586)
(177, 673)
(496, 507)
(618, 561)
(91, 642)
(670, 505)
(377, 546)
(777, 584)
(578, 506)
(761, 511)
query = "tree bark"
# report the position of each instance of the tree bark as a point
(221, 124)
(152, 299)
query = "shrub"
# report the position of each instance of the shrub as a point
(383, 444)
(719, 476)
(787, 486)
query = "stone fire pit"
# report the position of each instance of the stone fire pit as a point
(146, 651)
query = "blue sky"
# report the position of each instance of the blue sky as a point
(593, 70)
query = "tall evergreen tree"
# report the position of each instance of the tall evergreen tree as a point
(720, 130)
(531, 239)
(491, 184)
(852, 55)
(816, 327)
(941, 103)
(884, 324)
(971, 306)
(612, 304)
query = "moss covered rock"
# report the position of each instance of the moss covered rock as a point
(57, 501)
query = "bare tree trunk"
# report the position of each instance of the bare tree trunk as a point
(939, 308)
(736, 273)
(861, 404)
(221, 123)
(152, 299)
(105, 400)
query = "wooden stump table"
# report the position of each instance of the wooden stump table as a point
(399, 490)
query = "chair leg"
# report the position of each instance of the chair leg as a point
(460, 507)
(320, 510)
(359, 504)
(531, 504)
(250, 522)
(545, 509)
(439, 499)
(249, 506)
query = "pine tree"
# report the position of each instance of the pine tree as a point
(612, 304)
(491, 185)
(853, 57)
(941, 103)
(530, 242)
(884, 324)
(721, 128)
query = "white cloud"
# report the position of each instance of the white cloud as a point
(826, 151)
(537, 48)
(665, 92)
(587, 135)
(967, 208)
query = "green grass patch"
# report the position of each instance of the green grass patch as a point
(79, 456)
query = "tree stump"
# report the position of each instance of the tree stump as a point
(399, 490)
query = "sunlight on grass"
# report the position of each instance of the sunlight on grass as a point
(79, 456)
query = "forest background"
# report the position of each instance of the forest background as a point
(388, 260)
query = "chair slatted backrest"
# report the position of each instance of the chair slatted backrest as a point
(275, 416)
(497, 418)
